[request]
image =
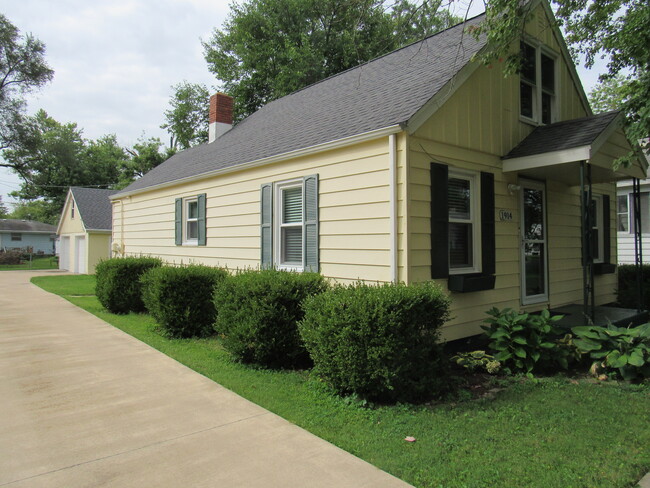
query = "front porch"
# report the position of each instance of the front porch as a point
(574, 316)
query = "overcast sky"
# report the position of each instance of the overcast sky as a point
(115, 61)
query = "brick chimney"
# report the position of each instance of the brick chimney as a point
(220, 116)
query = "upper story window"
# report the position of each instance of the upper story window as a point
(464, 225)
(537, 86)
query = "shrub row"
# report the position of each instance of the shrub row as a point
(379, 342)
(628, 290)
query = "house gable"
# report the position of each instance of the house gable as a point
(70, 221)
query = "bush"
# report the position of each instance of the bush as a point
(258, 313)
(627, 292)
(118, 286)
(10, 257)
(180, 299)
(526, 342)
(379, 342)
(618, 350)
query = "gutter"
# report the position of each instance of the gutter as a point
(339, 143)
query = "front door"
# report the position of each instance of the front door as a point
(534, 268)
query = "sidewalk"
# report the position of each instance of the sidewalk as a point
(84, 405)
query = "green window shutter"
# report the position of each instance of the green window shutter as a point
(201, 199)
(439, 221)
(607, 243)
(488, 246)
(179, 221)
(266, 228)
(310, 204)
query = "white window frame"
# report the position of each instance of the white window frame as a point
(474, 220)
(16, 237)
(186, 218)
(645, 229)
(538, 89)
(626, 196)
(278, 225)
(600, 227)
(72, 208)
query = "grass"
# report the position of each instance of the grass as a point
(37, 263)
(550, 432)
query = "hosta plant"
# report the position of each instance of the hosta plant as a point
(476, 361)
(621, 350)
(526, 342)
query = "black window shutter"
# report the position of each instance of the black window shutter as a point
(439, 221)
(607, 245)
(179, 221)
(266, 227)
(488, 246)
(201, 220)
(310, 237)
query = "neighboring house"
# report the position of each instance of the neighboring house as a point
(27, 235)
(625, 225)
(85, 229)
(421, 164)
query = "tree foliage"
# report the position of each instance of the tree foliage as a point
(270, 48)
(144, 156)
(186, 120)
(3, 209)
(23, 69)
(38, 210)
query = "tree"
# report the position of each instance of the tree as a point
(58, 157)
(38, 210)
(618, 30)
(23, 69)
(3, 209)
(270, 48)
(187, 119)
(144, 156)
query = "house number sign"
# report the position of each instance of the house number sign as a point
(505, 215)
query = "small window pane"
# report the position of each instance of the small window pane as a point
(535, 273)
(292, 205)
(460, 245)
(526, 92)
(622, 214)
(547, 108)
(192, 230)
(16, 237)
(533, 214)
(292, 245)
(459, 198)
(548, 73)
(192, 210)
(528, 62)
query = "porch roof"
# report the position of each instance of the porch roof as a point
(555, 151)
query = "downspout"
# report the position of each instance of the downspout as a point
(392, 154)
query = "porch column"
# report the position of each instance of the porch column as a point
(638, 242)
(587, 255)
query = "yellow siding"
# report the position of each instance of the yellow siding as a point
(472, 130)
(353, 203)
(98, 246)
(70, 224)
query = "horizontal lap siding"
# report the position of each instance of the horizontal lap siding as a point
(353, 206)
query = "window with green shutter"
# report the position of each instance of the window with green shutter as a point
(190, 221)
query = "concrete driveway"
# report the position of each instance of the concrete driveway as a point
(84, 405)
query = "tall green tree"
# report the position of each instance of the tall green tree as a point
(38, 210)
(269, 48)
(144, 156)
(186, 120)
(23, 69)
(3, 209)
(617, 30)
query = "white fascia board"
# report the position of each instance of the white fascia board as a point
(606, 133)
(548, 159)
(307, 151)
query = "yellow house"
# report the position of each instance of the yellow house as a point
(421, 164)
(84, 229)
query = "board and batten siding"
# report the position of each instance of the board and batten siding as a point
(477, 126)
(354, 226)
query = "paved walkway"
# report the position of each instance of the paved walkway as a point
(84, 405)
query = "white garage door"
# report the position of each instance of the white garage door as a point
(64, 253)
(80, 255)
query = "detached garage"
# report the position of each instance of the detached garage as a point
(84, 229)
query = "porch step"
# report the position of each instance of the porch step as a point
(620, 317)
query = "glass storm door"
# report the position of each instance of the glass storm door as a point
(534, 269)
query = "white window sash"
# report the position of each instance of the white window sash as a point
(279, 225)
(187, 220)
(473, 220)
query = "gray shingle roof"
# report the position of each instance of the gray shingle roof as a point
(15, 225)
(94, 207)
(381, 93)
(563, 135)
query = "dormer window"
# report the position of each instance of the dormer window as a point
(537, 85)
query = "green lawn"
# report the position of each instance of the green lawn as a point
(36, 263)
(551, 432)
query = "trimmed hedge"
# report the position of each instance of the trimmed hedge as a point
(627, 292)
(258, 313)
(118, 286)
(180, 299)
(379, 342)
